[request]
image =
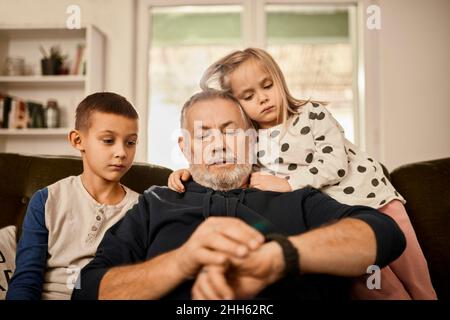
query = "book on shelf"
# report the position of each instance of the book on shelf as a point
(16, 113)
(79, 60)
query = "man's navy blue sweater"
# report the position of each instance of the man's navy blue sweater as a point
(163, 220)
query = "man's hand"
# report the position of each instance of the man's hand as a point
(242, 278)
(214, 242)
(267, 182)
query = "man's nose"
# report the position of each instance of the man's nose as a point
(219, 142)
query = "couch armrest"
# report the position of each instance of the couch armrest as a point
(425, 186)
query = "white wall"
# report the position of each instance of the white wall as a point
(414, 81)
(408, 70)
(115, 18)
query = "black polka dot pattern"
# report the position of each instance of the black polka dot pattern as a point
(285, 147)
(349, 190)
(375, 168)
(314, 170)
(287, 177)
(361, 169)
(321, 138)
(375, 182)
(305, 130)
(296, 121)
(351, 151)
(309, 158)
(320, 160)
(384, 181)
(315, 116)
(274, 134)
(292, 167)
(370, 159)
(260, 153)
(341, 173)
(279, 160)
(371, 195)
(396, 193)
(321, 116)
(315, 104)
(382, 202)
(327, 149)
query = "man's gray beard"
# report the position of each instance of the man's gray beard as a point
(227, 179)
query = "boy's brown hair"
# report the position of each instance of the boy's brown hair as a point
(107, 102)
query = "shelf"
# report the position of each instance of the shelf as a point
(62, 79)
(68, 90)
(36, 131)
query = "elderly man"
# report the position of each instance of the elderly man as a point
(220, 239)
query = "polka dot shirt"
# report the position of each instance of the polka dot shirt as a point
(311, 150)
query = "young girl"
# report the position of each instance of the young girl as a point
(300, 144)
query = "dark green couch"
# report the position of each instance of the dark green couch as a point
(21, 176)
(425, 186)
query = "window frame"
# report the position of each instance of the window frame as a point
(254, 34)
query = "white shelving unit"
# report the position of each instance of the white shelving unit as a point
(68, 90)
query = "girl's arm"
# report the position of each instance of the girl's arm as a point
(328, 164)
(31, 256)
(176, 179)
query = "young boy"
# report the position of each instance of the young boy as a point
(66, 221)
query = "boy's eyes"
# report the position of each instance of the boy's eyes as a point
(111, 141)
(131, 142)
(268, 85)
(248, 98)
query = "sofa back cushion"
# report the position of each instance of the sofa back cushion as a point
(425, 186)
(21, 176)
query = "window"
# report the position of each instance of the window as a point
(315, 47)
(185, 40)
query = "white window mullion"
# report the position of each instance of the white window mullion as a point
(357, 113)
(260, 24)
(248, 23)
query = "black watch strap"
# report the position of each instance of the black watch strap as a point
(290, 254)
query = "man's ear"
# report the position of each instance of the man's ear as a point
(181, 144)
(76, 140)
(185, 148)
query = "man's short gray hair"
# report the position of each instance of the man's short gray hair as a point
(210, 94)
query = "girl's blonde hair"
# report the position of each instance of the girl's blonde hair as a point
(220, 70)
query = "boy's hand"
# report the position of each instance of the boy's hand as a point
(267, 182)
(176, 179)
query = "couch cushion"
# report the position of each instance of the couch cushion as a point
(425, 186)
(22, 176)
